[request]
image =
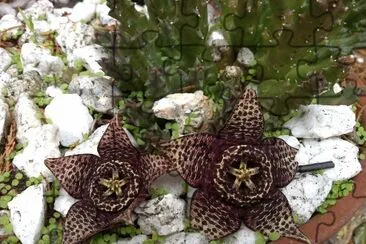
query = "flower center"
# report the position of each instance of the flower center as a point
(243, 175)
(113, 185)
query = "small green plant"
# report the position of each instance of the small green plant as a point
(16, 60)
(29, 23)
(155, 239)
(339, 189)
(158, 191)
(51, 233)
(41, 99)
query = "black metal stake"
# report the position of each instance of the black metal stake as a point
(316, 166)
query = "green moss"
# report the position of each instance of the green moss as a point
(158, 191)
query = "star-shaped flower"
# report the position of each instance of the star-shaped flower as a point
(109, 186)
(237, 174)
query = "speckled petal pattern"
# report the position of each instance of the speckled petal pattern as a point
(273, 215)
(192, 155)
(73, 172)
(155, 165)
(115, 144)
(246, 121)
(215, 219)
(282, 157)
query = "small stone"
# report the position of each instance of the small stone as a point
(5, 59)
(53, 91)
(337, 88)
(41, 60)
(63, 202)
(342, 153)
(322, 121)
(96, 92)
(164, 215)
(102, 11)
(90, 145)
(83, 12)
(29, 82)
(27, 213)
(43, 143)
(305, 193)
(4, 119)
(233, 72)
(11, 26)
(6, 9)
(195, 238)
(139, 239)
(243, 233)
(75, 35)
(245, 57)
(177, 238)
(37, 11)
(172, 183)
(90, 56)
(182, 107)
(26, 118)
(71, 116)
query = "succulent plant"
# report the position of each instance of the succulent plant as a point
(109, 186)
(237, 174)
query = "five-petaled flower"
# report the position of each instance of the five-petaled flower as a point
(109, 186)
(237, 173)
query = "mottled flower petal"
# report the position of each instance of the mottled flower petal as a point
(73, 172)
(282, 157)
(130, 190)
(115, 144)
(83, 220)
(215, 219)
(155, 165)
(246, 121)
(192, 155)
(256, 160)
(273, 215)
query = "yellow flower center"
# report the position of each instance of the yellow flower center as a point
(243, 175)
(113, 185)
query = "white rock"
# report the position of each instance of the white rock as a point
(6, 9)
(59, 18)
(63, 202)
(25, 114)
(5, 59)
(96, 92)
(180, 106)
(172, 183)
(89, 55)
(29, 82)
(4, 119)
(343, 154)
(43, 143)
(305, 193)
(163, 215)
(186, 238)
(11, 25)
(322, 121)
(243, 236)
(291, 141)
(102, 12)
(41, 60)
(142, 9)
(245, 57)
(90, 145)
(139, 239)
(38, 10)
(41, 29)
(83, 12)
(71, 116)
(53, 91)
(233, 72)
(337, 88)
(27, 213)
(75, 35)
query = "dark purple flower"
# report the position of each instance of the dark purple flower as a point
(109, 186)
(237, 174)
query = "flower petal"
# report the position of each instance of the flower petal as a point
(283, 160)
(192, 155)
(73, 172)
(115, 144)
(273, 215)
(255, 159)
(214, 218)
(246, 121)
(155, 165)
(83, 220)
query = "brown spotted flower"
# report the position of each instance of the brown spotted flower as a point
(109, 186)
(237, 173)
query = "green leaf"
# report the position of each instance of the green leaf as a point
(260, 238)
(274, 236)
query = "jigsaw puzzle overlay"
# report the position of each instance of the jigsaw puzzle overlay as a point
(299, 48)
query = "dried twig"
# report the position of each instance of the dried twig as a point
(10, 143)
